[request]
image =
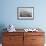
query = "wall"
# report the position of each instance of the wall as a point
(9, 13)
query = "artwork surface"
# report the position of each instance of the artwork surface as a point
(26, 13)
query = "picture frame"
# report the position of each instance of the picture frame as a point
(25, 13)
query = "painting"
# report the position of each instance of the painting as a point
(25, 13)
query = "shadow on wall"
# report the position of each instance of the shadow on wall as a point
(2, 26)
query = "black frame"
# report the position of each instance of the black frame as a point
(24, 18)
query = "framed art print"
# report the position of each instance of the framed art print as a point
(25, 13)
